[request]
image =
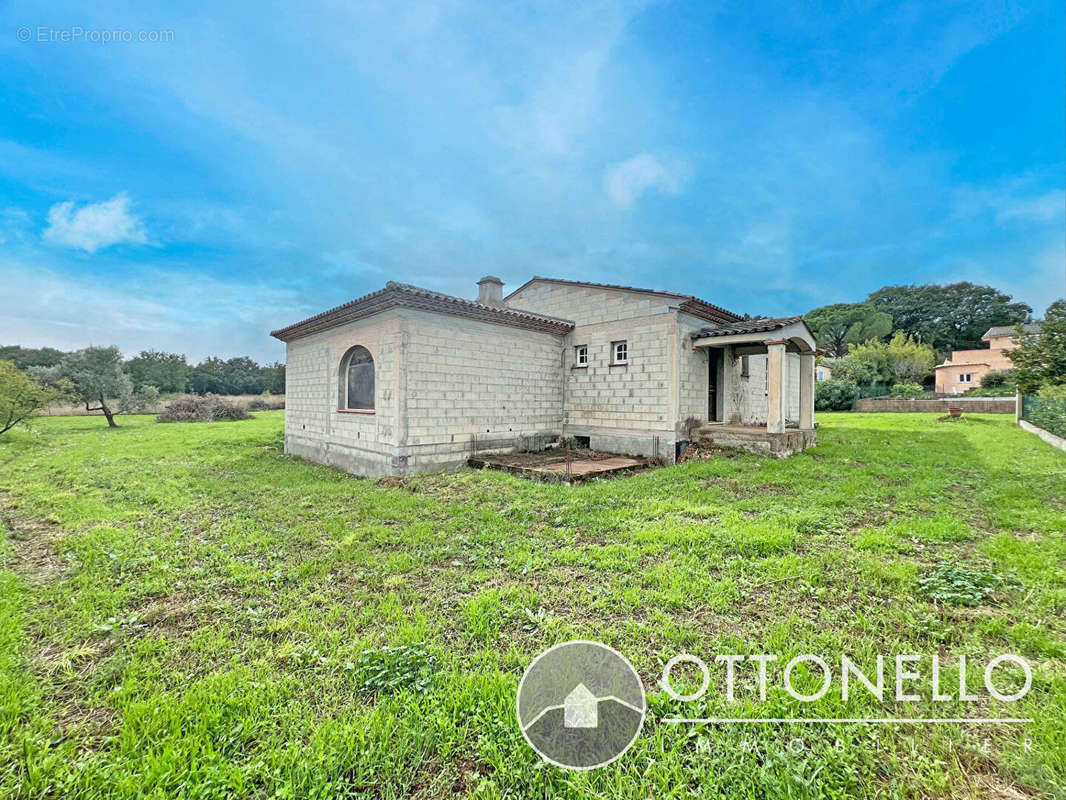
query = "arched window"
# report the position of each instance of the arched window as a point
(357, 380)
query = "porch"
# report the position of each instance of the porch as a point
(780, 340)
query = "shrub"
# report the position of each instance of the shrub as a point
(907, 390)
(1000, 377)
(1047, 410)
(1054, 392)
(995, 391)
(209, 408)
(834, 395)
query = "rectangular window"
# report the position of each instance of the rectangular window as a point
(619, 352)
(745, 367)
(581, 355)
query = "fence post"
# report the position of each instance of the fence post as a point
(1018, 402)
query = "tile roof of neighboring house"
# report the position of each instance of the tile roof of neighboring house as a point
(404, 295)
(690, 304)
(1008, 330)
(749, 326)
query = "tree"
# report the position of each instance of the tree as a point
(25, 357)
(274, 378)
(852, 370)
(242, 376)
(209, 376)
(97, 377)
(21, 397)
(841, 324)
(873, 359)
(1040, 359)
(910, 361)
(167, 372)
(952, 317)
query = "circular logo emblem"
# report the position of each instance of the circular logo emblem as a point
(581, 705)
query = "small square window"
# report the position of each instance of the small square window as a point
(619, 352)
(581, 355)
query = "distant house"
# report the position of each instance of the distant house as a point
(406, 379)
(966, 368)
(823, 372)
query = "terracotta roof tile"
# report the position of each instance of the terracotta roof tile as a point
(749, 326)
(404, 295)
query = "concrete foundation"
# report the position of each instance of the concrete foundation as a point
(758, 440)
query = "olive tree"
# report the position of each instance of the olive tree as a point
(100, 382)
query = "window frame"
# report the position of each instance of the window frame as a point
(619, 362)
(344, 380)
(579, 351)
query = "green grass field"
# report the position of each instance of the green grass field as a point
(186, 611)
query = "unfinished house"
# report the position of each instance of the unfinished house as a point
(407, 380)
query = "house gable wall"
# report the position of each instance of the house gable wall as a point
(588, 305)
(315, 427)
(629, 408)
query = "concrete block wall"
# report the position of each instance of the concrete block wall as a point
(316, 427)
(439, 380)
(624, 409)
(467, 379)
(940, 405)
(588, 305)
(692, 372)
(755, 406)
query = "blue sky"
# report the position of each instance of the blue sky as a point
(267, 163)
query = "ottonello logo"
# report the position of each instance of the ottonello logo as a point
(581, 705)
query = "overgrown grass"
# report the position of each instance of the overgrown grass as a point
(186, 611)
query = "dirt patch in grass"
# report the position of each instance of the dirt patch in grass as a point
(34, 555)
(399, 482)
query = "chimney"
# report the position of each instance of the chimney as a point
(490, 291)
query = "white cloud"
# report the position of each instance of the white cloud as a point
(178, 311)
(1041, 208)
(626, 181)
(94, 225)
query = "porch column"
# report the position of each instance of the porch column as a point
(775, 385)
(728, 378)
(806, 391)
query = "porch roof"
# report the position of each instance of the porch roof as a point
(792, 330)
(749, 326)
